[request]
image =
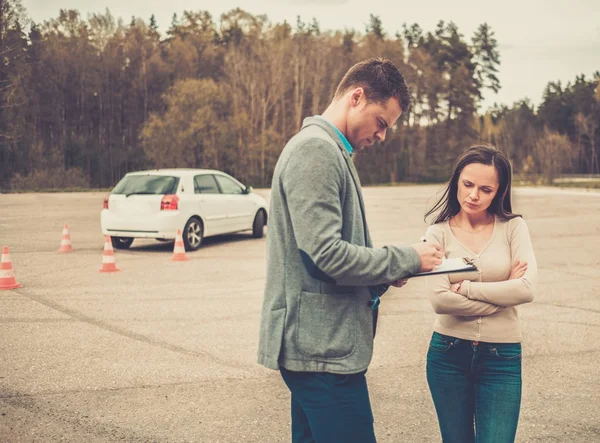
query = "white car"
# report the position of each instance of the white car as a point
(200, 202)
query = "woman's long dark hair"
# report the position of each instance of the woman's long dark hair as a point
(484, 154)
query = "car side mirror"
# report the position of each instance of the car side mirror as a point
(248, 190)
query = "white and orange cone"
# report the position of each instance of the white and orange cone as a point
(65, 243)
(7, 278)
(179, 249)
(108, 257)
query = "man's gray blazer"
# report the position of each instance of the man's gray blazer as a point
(321, 264)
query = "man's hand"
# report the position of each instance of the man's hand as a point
(431, 255)
(399, 283)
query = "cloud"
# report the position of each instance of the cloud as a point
(505, 46)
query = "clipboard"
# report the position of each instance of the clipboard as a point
(450, 266)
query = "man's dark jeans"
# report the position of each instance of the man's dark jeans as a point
(329, 408)
(475, 381)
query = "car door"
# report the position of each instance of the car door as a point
(213, 204)
(241, 209)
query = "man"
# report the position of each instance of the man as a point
(324, 278)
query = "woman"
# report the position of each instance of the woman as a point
(474, 358)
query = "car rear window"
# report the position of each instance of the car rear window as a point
(147, 184)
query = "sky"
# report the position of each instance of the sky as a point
(539, 40)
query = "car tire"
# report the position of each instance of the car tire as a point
(193, 234)
(121, 242)
(258, 226)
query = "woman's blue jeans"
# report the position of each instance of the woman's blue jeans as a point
(476, 389)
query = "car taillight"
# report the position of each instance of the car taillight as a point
(106, 201)
(169, 203)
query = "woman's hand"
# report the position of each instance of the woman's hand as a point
(518, 270)
(455, 287)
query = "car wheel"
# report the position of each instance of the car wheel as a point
(258, 227)
(121, 242)
(193, 233)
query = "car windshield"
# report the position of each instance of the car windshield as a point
(147, 184)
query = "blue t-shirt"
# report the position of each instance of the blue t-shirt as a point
(342, 137)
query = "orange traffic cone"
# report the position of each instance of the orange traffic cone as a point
(7, 278)
(65, 243)
(179, 249)
(108, 258)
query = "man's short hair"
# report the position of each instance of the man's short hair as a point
(380, 79)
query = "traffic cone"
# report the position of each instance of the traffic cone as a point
(108, 258)
(65, 243)
(179, 249)
(7, 278)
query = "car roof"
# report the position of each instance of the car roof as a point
(180, 172)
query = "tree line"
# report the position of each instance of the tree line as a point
(82, 102)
